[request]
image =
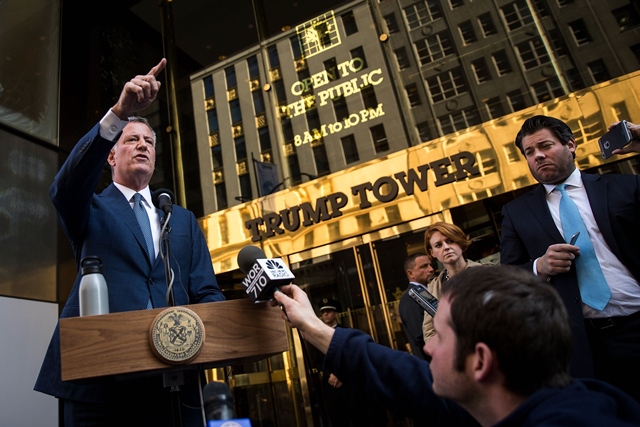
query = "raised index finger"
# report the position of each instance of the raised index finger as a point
(158, 68)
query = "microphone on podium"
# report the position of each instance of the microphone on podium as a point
(218, 406)
(163, 200)
(263, 275)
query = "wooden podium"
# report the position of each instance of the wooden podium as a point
(235, 331)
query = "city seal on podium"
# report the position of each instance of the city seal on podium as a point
(177, 335)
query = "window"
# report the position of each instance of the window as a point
(459, 120)
(379, 137)
(234, 109)
(487, 25)
(349, 23)
(212, 119)
(241, 148)
(422, 12)
(392, 23)
(494, 107)
(563, 3)
(635, 49)
(480, 69)
(516, 14)
(216, 157)
(313, 120)
(359, 53)
(401, 57)
(501, 60)
(274, 59)
(456, 3)
(265, 139)
(281, 93)
(532, 53)
(557, 41)
(580, 32)
(467, 33)
(258, 101)
(627, 17)
(230, 74)
(287, 130)
(516, 100)
(245, 187)
(349, 149)
(208, 86)
(434, 47)
(302, 76)
(340, 108)
(321, 160)
(548, 89)
(541, 7)
(423, 131)
(413, 95)
(221, 196)
(294, 168)
(296, 46)
(369, 97)
(254, 70)
(574, 80)
(330, 67)
(598, 71)
(446, 85)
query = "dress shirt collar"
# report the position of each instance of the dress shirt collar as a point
(574, 180)
(128, 193)
(417, 284)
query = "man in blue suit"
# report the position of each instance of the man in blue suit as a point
(606, 342)
(105, 225)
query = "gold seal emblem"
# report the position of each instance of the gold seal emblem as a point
(177, 335)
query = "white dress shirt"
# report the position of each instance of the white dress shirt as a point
(625, 292)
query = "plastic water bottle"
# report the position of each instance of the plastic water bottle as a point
(94, 297)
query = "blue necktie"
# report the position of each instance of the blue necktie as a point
(593, 287)
(143, 220)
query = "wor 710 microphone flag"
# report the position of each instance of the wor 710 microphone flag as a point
(264, 274)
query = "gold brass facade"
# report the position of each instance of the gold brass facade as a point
(502, 169)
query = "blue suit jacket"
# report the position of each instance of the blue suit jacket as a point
(528, 230)
(105, 225)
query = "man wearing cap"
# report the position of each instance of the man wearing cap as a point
(336, 395)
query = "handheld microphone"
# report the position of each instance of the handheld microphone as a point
(163, 200)
(263, 276)
(218, 406)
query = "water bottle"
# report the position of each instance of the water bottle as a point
(94, 297)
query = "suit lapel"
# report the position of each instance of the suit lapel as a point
(123, 212)
(538, 204)
(596, 189)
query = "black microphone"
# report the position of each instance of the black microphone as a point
(263, 275)
(217, 400)
(163, 200)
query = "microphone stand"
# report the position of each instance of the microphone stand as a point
(165, 253)
(173, 381)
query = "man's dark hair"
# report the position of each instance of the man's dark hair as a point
(536, 123)
(409, 263)
(520, 317)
